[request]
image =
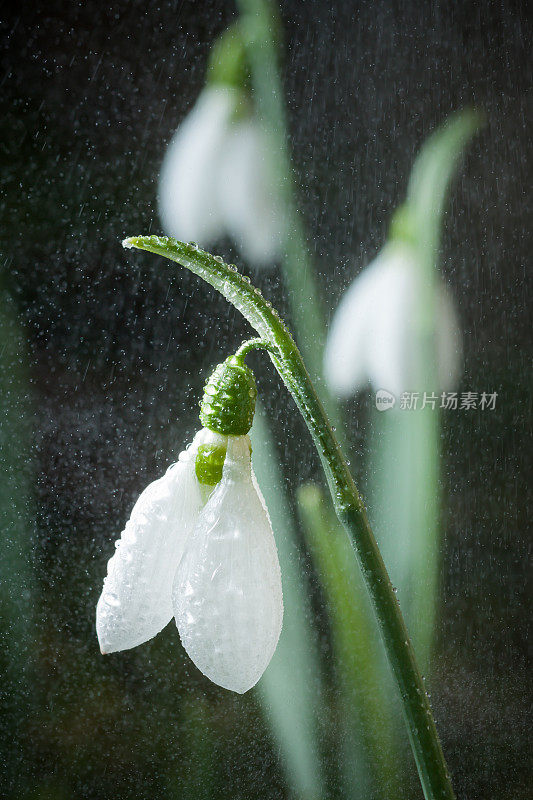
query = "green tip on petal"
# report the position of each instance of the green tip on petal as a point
(209, 463)
(228, 404)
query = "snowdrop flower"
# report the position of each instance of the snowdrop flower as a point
(199, 546)
(215, 179)
(373, 338)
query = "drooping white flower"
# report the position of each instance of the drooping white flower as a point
(215, 179)
(373, 336)
(227, 591)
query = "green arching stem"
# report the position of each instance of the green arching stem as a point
(252, 344)
(348, 505)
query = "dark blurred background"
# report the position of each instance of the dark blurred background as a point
(119, 345)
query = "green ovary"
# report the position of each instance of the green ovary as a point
(229, 399)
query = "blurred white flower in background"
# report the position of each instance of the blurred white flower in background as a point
(215, 179)
(373, 336)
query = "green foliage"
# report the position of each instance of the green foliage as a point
(358, 656)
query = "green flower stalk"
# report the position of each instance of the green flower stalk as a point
(348, 504)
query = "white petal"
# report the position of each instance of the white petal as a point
(393, 340)
(135, 603)
(345, 356)
(188, 201)
(373, 338)
(390, 352)
(250, 204)
(227, 592)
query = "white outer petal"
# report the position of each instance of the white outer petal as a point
(227, 592)
(135, 603)
(188, 199)
(345, 356)
(250, 204)
(390, 352)
(371, 339)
